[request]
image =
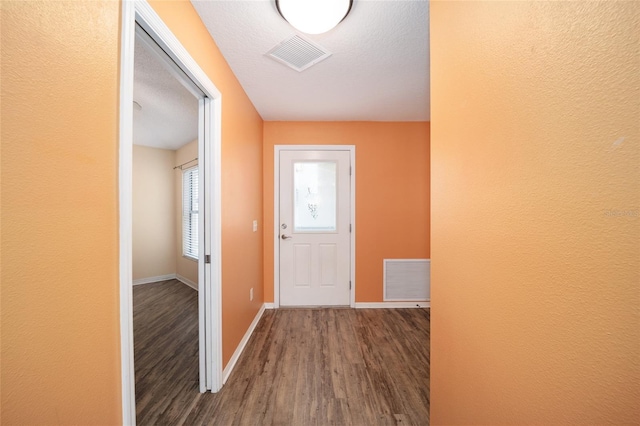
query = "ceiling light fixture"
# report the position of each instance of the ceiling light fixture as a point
(314, 16)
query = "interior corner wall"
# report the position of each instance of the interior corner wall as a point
(241, 175)
(154, 213)
(59, 243)
(535, 149)
(392, 192)
(185, 268)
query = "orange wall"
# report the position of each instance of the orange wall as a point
(535, 217)
(241, 175)
(60, 291)
(60, 294)
(392, 192)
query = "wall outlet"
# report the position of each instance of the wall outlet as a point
(255, 226)
(251, 294)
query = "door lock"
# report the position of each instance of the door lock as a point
(283, 226)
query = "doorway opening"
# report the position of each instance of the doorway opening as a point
(140, 20)
(166, 206)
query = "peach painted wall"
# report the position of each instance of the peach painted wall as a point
(392, 192)
(241, 175)
(535, 184)
(185, 267)
(154, 212)
(60, 293)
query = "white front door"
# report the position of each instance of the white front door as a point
(314, 228)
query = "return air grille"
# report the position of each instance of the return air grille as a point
(298, 53)
(407, 279)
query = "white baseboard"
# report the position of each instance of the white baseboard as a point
(379, 305)
(245, 339)
(154, 279)
(393, 305)
(187, 281)
(159, 278)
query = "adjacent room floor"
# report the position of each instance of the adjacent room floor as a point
(300, 367)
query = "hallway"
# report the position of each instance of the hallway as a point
(301, 366)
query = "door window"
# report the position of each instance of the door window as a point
(314, 198)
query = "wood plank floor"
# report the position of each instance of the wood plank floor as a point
(301, 366)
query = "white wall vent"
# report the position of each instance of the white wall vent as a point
(298, 53)
(407, 279)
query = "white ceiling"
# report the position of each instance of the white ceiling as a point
(379, 70)
(169, 115)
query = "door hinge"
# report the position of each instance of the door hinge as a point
(349, 285)
(350, 228)
(350, 170)
(207, 258)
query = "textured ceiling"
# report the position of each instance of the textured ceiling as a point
(378, 71)
(169, 115)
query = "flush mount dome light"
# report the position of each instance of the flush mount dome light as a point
(314, 16)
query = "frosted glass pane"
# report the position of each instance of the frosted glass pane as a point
(314, 196)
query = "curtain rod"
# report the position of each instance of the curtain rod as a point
(180, 166)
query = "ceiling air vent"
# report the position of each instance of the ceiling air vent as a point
(298, 53)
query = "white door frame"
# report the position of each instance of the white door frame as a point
(209, 149)
(276, 215)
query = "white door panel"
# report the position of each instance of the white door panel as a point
(314, 228)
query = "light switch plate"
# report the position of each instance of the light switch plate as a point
(255, 226)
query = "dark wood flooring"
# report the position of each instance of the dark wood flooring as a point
(300, 367)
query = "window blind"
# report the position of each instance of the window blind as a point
(190, 212)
